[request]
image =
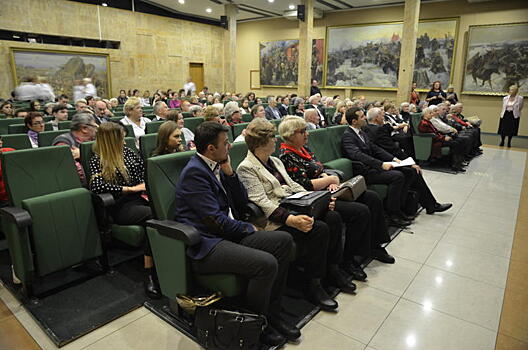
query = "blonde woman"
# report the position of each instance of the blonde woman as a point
(510, 116)
(134, 116)
(118, 170)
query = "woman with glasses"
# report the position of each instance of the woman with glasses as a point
(267, 182)
(134, 117)
(118, 170)
(169, 139)
(35, 124)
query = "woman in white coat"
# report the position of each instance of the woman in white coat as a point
(510, 115)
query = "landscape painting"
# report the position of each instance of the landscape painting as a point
(435, 51)
(279, 63)
(496, 57)
(317, 59)
(62, 69)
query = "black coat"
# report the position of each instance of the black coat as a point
(368, 153)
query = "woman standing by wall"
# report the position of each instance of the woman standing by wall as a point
(510, 115)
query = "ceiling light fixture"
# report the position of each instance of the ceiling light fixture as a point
(104, 4)
(181, 1)
(208, 10)
(271, 1)
(292, 7)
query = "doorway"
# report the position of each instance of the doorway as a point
(196, 72)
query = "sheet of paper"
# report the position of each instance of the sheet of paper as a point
(406, 162)
(298, 195)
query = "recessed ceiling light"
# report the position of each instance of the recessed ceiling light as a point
(208, 10)
(181, 1)
(104, 4)
(271, 1)
(292, 7)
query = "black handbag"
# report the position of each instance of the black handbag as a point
(314, 204)
(335, 172)
(228, 330)
(352, 189)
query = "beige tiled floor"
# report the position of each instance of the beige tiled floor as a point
(445, 291)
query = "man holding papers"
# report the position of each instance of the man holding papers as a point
(374, 163)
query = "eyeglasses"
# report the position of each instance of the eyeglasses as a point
(301, 131)
(93, 126)
(37, 123)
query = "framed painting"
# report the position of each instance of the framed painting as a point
(435, 52)
(363, 56)
(317, 59)
(496, 59)
(254, 79)
(279, 63)
(62, 69)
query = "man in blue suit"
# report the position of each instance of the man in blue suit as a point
(211, 198)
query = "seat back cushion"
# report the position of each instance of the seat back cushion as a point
(237, 153)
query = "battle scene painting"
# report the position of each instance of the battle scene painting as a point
(496, 58)
(317, 59)
(365, 56)
(435, 48)
(279, 63)
(62, 69)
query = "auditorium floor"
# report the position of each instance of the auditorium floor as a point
(458, 283)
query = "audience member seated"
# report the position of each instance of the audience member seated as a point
(339, 116)
(134, 117)
(48, 107)
(34, 106)
(196, 111)
(458, 117)
(244, 107)
(185, 105)
(145, 100)
(188, 135)
(113, 104)
(21, 113)
(298, 104)
(4, 199)
(258, 111)
(35, 124)
(272, 112)
(406, 113)
(211, 198)
(366, 229)
(6, 108)
(60, 114)
(267, 182)
(232, 113)
(81, 105)
(443, 125)
(373, 162)
(315, 100)
(160, 111)
(282, 108)
(212, 114)
(456, 145)
(312, 119)
(122, 98)
(169, 139)
(464, 129)
(64, 100)
(379, 132)
(101, 112)
(118, 170)
(436, 95)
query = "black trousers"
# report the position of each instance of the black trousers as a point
(262, 258)
(398, 185)
(132, 210)
(405, 141)
(425, 196)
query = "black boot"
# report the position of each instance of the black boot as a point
(152, 289)
(317, 295)
(355, 270)
(340, 279)
(271, 337)
(290, 332)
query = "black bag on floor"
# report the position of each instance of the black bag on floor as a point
(314, 203)
(411, 203)
(228, 330)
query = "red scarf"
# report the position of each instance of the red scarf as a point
(303, 153)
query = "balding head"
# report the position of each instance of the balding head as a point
(100, 108)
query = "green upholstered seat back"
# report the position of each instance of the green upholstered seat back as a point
(4, 124)
(276, 122)
(45, 138)
(187, 114)
(16, 141)
(247, 118)
(147, 144)
(153, 127)
(192, 123)
(37, 172)
(22, 129)
(64, 229)
(65, 125)
(237, 129)
(319, 143)
(335, 134)
(162, 176)
(415, 120)
(237, 153)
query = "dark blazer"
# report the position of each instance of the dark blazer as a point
(315, 90)
(368, 153)
(202, 202)
(283, 111)
(381, 136)
(269, 113)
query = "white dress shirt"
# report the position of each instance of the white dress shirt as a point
(138, 130)
(215, 168)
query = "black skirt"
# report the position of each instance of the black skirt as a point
(508, 126)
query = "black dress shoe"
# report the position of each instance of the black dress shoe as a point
(442, 207)
(271, 337)
(398, 222)
(381, 255)
(341, 279)
(355, 271)
(152, 289)
(406, 217)
(318, 296)
(459, 169)
(291, 333)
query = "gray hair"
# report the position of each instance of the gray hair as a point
(194, 108)
(81, 100)
(231, 108)
(314, 97)
(309, 112)
(405, 104)
(113, 99)
(271, 99)
(289, 125)
(157, 106)
(428, 110)
(373, 113)
(297, 101)
(80, 119)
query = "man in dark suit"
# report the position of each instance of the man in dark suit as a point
(314, 101)
(314, 89)
(272, 111)
(374, 163)
(211, 198)
(380, 133)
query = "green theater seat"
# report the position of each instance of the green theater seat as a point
(153, 127)
(192, 123)
(22, 129)
(147, 144)
(50, 224)
(247, 118)
(172, 264)
(423, 142)
(4, 124)
(237, 153)
(45, 138)
(237, 129)
(16, 141)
